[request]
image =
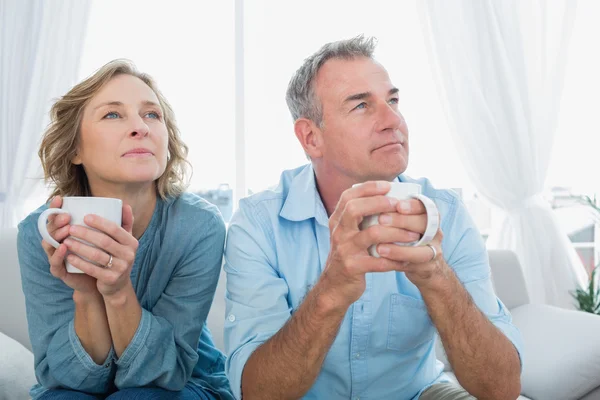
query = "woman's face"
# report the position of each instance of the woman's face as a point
(123, 137)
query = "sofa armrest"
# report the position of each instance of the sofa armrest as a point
(562, 352)
(508, 279)
(16, 369)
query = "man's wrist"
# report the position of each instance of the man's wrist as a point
(327, 301)
(441, 283)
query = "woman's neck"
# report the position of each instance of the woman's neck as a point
(142, 200)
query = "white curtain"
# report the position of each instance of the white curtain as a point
(40, 47)
(500, 67)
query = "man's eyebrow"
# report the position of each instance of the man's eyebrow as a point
(357, 96)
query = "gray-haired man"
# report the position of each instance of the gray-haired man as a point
(310, 314)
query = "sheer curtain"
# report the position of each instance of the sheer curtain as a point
(40, 43)
(500, 70)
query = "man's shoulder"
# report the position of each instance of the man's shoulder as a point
(272, 199)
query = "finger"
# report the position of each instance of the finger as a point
(372, 264)
(57, 262)
(88, 268)
(411, 206)
(127, 222)
(357, 209)
(367, 189)
(48, 249)
(56, 202)
(91, 253)
(410, 254)
(58, 221)
(60, 234)
(99, 239)
(384, 234)
(414, 223)
(111, 229)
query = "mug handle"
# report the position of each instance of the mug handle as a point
(42, 224)
(433, 219)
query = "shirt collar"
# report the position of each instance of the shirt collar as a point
(303, 200)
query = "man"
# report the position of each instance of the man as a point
(310, 314)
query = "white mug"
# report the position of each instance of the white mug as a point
(78, 207)
(404, 191)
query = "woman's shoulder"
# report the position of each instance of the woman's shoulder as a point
(190, 208)
(28, 226)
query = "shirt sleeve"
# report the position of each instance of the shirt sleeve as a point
(256, 297)
(164, 349)
(59, 358)
(469, 259)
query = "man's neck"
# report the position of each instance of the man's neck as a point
(142, 200)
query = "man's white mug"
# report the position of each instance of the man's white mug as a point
(78, 207)
(405, 191)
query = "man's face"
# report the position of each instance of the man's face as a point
(364, 135)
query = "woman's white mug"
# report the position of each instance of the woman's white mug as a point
(405, 191)
(78, 207)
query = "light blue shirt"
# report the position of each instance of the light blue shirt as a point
(174, 275)
(277, 246)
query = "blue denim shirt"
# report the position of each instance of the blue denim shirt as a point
(277, 246)
(175, 275)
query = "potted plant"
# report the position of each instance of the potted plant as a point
(588, 299)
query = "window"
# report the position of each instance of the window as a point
(188, 47)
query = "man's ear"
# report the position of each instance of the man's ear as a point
(309, 136)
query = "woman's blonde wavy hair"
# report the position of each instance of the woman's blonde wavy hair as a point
(61, 138)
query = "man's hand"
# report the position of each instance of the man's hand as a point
(343, 280)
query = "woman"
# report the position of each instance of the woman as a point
(136, 329)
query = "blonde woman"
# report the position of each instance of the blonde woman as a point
(135, 330)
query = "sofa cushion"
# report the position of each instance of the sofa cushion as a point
(562, 351)
(453, 378)
(16, 369)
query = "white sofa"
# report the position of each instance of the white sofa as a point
(562, 348)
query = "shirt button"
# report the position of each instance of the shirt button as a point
(357, 355)
(231, 318)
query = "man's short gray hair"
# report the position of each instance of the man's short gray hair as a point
(300, 96)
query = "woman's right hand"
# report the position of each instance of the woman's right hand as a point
(58, 227)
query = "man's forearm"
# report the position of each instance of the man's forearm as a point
(286, 366)
(91, 325)
(485, 362)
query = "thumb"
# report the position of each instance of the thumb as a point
(127, 221)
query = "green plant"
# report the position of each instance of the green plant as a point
(589, 299)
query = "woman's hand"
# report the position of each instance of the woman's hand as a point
(115, 250)
(58, 227)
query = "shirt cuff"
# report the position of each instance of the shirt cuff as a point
(513, 335)
(234, 366)
(137, 343)
(85, 359)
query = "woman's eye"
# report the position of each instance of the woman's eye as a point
(153, 114)
(111, 115)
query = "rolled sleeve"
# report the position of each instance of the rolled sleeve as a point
(469, 259)
(164, 349)
(60, 360)
(256, 296)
